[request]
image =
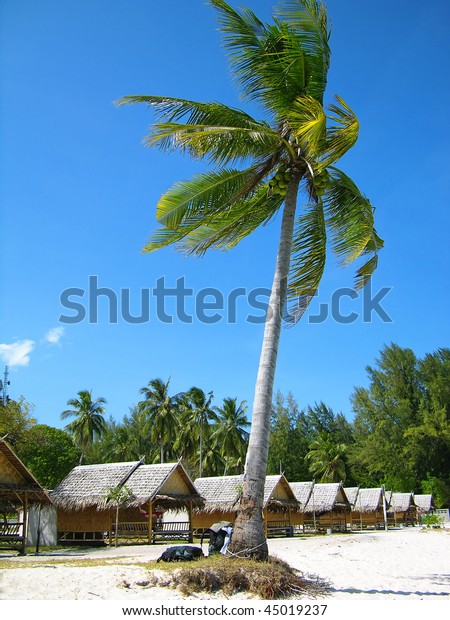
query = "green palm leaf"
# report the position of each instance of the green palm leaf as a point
(308, 19)
(349, 215)
(341, 136)
(267, 61)
(202, 197)
(227, 231)
(308, 259)
(307, 121)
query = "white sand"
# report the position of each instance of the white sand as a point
(402, 564)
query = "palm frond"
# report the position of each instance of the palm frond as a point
(202, 196)
(229, 228)
(221, 145)
(242, 32)
(364, 273)
(341, 136)
(308, 259)
(308, 19)
(307, 121)
(267, 61)
(175, 109)
(349, 216)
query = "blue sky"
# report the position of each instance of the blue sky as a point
(78, 192)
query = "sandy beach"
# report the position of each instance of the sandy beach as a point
(403, 564)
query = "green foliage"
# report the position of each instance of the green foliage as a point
(402, 421)
(432, 520)
(326, 459)
(439, 489)
(49, 453)
(118, 495)
(89, 423)
(15, 418)
(288, 441)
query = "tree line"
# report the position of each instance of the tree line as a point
(399, 437)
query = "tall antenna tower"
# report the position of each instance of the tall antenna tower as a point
(4, 386)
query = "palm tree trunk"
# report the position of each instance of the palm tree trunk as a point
(248, 535)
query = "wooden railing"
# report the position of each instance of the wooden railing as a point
(11, 536)
(279, 528)
(138, 531)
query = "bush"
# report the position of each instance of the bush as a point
(432, 520)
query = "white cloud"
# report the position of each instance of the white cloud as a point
(18, 353)
(54, 335)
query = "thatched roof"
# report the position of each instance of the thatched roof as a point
(424, 503)
(365, 500)
(88, 485)
(326, 497)
(302, 492)
(222, 493)
(400, 502)
(352, 494)
(16, 479)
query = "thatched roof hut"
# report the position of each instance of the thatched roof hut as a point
(400, 502)
(16, 480)
(365, 500)
(326, 497)
(325, 508)
(222, 493)
(401, 508)
(85, 513)
(18, 488)
(87, 486)
(424, 503)
(302, 492)
(368, 509)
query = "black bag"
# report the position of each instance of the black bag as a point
(181, 553)
(217, 535)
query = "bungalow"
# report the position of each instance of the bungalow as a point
(402, 510)
(425, 505)
(124, 502)
(19, 489)
(327, 508)
(222, 495)
(368, 508)
(302, 492)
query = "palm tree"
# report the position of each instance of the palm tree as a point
(89, 423)
(326, 459)
(197, 415)
(161, 411)
(259, 167)
(229, 432)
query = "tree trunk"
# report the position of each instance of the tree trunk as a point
(248, 536)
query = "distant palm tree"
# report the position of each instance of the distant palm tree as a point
(229, 432)
(326, 459)
(89, 423)
(162, 414)
(196, 417)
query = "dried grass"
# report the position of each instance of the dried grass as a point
(273, 579)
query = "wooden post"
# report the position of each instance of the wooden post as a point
(25, 523)
(264, 515)
(150, 521)
(191, 532)
(383, 494)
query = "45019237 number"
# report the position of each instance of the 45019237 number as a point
(275, 609)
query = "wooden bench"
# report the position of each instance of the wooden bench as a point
(279, 528)
(11, 538)
(137, 531)
(172, 530)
